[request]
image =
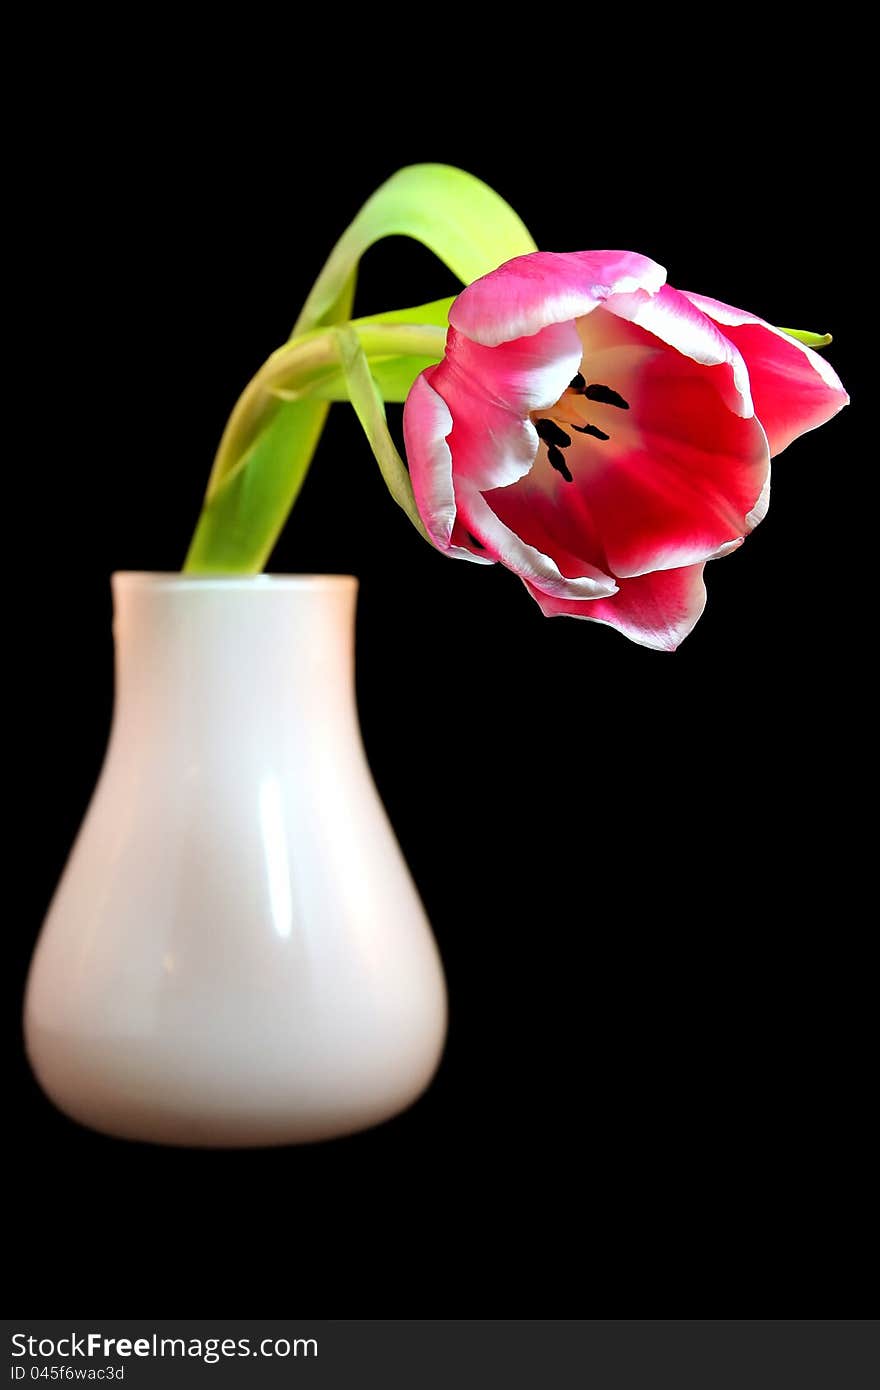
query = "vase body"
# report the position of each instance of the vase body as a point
(236, 954)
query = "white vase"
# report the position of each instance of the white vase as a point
(236, 954)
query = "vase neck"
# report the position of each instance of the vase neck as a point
(254, 648)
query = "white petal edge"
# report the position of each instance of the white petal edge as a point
(525, 560)
(427, 415)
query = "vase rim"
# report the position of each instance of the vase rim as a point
(158, 579)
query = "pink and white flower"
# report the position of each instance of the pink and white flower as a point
(603, 435)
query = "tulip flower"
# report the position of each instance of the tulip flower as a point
(603, 435)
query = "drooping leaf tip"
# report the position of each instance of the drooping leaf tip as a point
(813, 340)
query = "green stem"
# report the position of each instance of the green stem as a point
(299, 359)
(303, 363)
(259, 466)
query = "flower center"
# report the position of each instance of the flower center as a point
(568, 414)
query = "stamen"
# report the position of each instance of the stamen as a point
(606, 396)
(473, 540)
(557, 461)
(550, 432)
(577, 383)
(591, 429)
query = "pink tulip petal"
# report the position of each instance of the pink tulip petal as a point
(426, 425)
(793, 387)
(678, 480)
(584, 580)
(490, 391)
(681, 481)
(491, 447)
(656, 610)
(522, 375)
(546, 287)
(672, 318)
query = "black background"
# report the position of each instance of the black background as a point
(641, 866)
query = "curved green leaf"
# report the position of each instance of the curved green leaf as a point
(393, 375)
(813, 340)
(458, 217)
(274, 429)
(437, 312)
(370, 410)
